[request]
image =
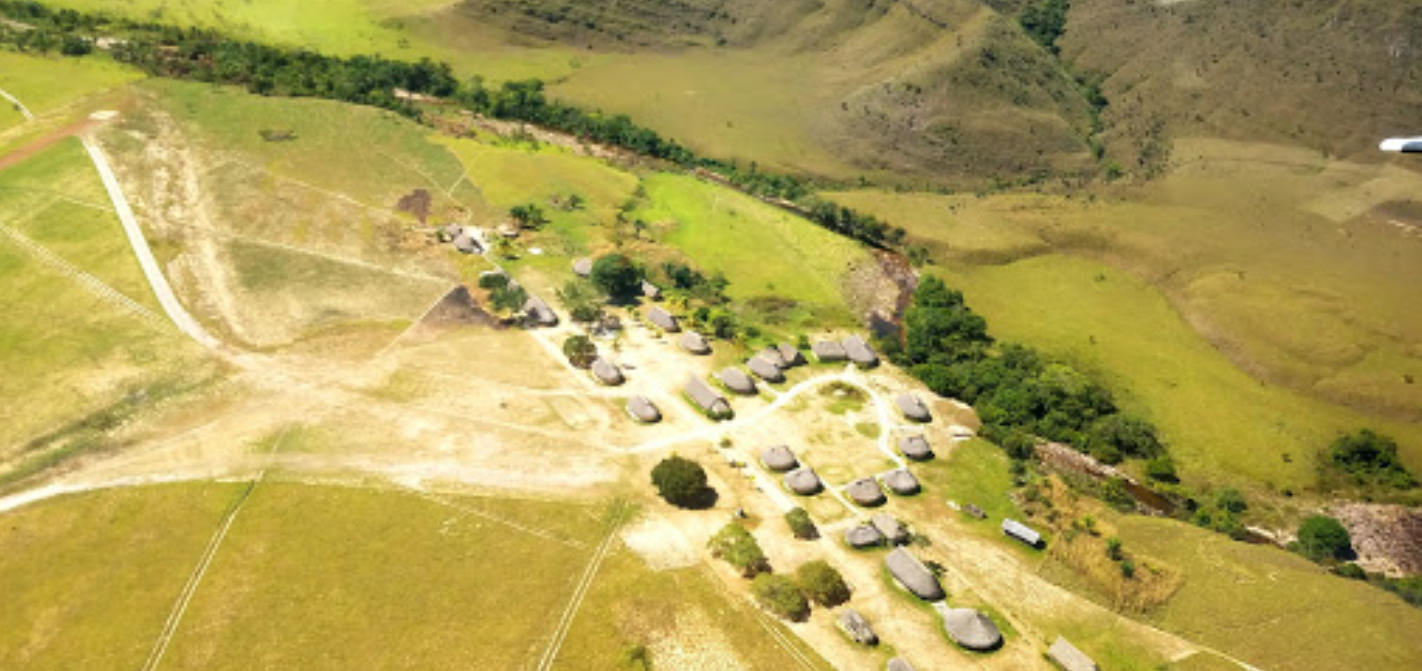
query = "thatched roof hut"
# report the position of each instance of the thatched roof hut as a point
(913, 575)
(915, 447)
(466, 244)
(803, 481)
(829, 350)
(1069, 657)
(663, 320)
(854, 624)
(765, 369)
(539, 313)
(772, 355)
(707, 399)
(692, 341)
(779, 458)
(913, 408)
(865, 492)
(971, 629)
(606, 372)
(863, 536)
(643, 410)
(583, 267)
(1021, 532)
(893, 532)
(860, 352)
(448, 232)
(650, 291)
(508, 230)
(900, 481)
(790, 354)
(899, 664)
(737, 381)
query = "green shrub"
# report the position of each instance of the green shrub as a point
(739, 548)
(780, 595)
(1162, 468)
(1322, 538)
(1371, 459)
(822, 584)
(682, 482)
(1232, 500)
(1113, 548)
(801, 525)
(580, 351)
(617, 276)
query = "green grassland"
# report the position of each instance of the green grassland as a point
(69, 353)
(89, 579)
(1272, 608)
(321, 577)
(47, 83)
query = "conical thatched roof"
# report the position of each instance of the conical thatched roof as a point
(643, 410)
(913, 575)
(765, 369)
(606, 372)
(465, 244)
(915, 447)
(539, 313)
(971, 629)
(772, 355)
(857, 627)
(863, 536)
(651, 291)
(790, 354)
(865, 492)
(894, 532)
(779, 458)
(582, 267)
(828, 350)
(898, 664)
(663, 320)
(900, 481)
(737, 381)
(860, 352)
(692, 341)
(803, 481)
(913, 408)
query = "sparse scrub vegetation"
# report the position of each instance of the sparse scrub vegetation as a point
(822, 584)
(801, 525)
(735, 544)
(781, 596)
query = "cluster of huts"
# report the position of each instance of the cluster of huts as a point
(854, 349)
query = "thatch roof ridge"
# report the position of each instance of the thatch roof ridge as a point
(765, 369)
(971, 629)
(860, 352)
(736, 380)
(694, 343)
(915, 446)
(865, 492)
(901, 482)
(790, 354)
(663, 320)
(863, 535)
(642, 409)
(913, 575)
(894, 532)
(803, 481)
(704, 396)
(829, 350)
(912, 407)
(606, 372)
(779, 458)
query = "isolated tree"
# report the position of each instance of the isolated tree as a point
(682, 482)
(1162, 468)
(617, 276)
(1232, 500)
(1322, 538)
(822, 584)
(508, 298)
(801, 525)
(780, 595)
(580, 351)
(528, 215)
(738, 547)
(493, 281)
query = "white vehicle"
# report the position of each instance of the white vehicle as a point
(1404, 145)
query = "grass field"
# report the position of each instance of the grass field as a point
(1274, 609)
(1221, 424)
(46, 83)
(89, 579)
(67, 351)
(329, 577)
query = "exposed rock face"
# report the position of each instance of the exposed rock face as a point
(1387, 538)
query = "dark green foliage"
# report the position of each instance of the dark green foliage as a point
(1113, 548)
(780, 595)
(493, 281)
(1128, 569)
(739, 548)
(1370, 458)
(580, 351)
(1220, 520)
(724, 326)
(681, 277)
(1162, 468)
(638, 658)
(1232, 500)
(1045, 21)
(528, 215)
(586, 313)
(508, 298)
(1323, 538)
(682, 482)
(1409, 588)
(73, 45)
(821, 583)
(617, 276)
(801, 525)
(1352, 571)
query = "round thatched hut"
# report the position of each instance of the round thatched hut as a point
(913, 575)
(971, 629)
(606, 372)
(865, 492)
(863, 536)
(737, 381)
(779, 458)
(803, 481)
(854, 624)
(643, 410)
(899, 664)
(913, 408)
(915, 447)
(693, 342)
(765, 369)
(901, 481)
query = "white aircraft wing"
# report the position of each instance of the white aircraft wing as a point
(1406, 145)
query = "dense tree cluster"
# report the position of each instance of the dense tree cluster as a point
(1370, 458)
(1017, 393)
(1322, 539)
(1045, 21)
(801, 525)
(822, 584)
(681, 481)
(781, 596)
(617, 276)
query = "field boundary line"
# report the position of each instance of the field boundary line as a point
(565, 623)
(161, 289)
(417, 321)
(185, 597)
(779, 637)
(18, 105)
(89, 283)
(533, 531)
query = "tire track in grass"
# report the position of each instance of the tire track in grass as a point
(565, 623)
(95, 286)
(185, 597)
